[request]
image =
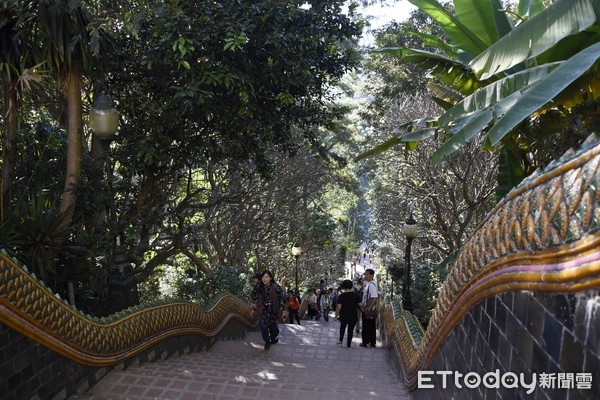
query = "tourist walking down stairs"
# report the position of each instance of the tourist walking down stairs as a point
(268, 299)
(346, 311)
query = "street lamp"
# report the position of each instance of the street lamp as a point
(104, 118)
(104, 122)
(296, 251)
(392, 279)
(410, 231)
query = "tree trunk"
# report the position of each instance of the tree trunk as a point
(9, 149)
(74, 143)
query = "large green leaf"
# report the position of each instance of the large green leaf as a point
(459, 34)
(435, 41)
(448, 70)
(478, 15)
(445, 105)
(466, 129)
(535, 36)
(544, 90)
(504, 25)
(528, 8)
(388, 144)
(418, 56)
(444, 93)
(570, 46)
(496, 91)
(418, 136)
(409, 140)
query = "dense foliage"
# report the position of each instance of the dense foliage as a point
(221, 156)
(237, 121)
(527, 87)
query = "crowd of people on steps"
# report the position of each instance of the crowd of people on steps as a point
(353, 304)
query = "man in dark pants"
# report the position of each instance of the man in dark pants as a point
(369, 309)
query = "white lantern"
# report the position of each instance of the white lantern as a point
(296, 250)
(104, 119)
(410, 228)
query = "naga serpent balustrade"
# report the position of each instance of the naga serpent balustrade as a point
(30, 308)
(544, 236)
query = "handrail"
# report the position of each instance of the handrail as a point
(543, 236)
(30, 308)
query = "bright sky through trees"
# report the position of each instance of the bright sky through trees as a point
(380, 15)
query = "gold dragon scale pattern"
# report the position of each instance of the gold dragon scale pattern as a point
(543, 236)
(31, 309)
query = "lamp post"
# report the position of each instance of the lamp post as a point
(296, 251)
(410, 231)
(104, 122)
(104, 118)
(392, 288)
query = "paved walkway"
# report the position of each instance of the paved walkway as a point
(305, 364)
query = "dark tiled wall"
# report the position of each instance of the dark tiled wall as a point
(523, 332)
(31, 371)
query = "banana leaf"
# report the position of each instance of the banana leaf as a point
(450, 71)
(483, 18)
(418, 136)
(410, 140)
(419, 56)
(466, 128)
(496, 91)
(459, 34)
(445, 105)
(444, 93)
(535, 36)
(543, 91)
(388, 144)
(528, 8)
(435, 41)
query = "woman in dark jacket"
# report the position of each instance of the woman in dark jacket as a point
(346, 311)
(268, 300)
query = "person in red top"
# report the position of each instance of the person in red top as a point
(293, 307)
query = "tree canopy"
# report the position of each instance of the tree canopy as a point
(238, 120)
(510, 81)
(214, 99)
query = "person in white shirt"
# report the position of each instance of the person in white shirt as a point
(369, 309)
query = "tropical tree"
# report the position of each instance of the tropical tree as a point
(18, 75)
(205, 89)
(65, 32)
(510, 81)
(208, 93)
(11, 61)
